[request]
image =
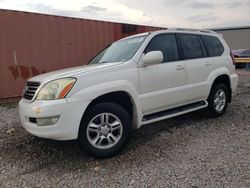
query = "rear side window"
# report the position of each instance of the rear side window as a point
(213, 45)
(167, 45)
(191, 46)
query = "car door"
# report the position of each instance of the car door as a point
(197, 65)
(163, 86)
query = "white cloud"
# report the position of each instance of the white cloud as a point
(164, 13)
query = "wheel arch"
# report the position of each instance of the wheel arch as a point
(122, 98)
(225, 79)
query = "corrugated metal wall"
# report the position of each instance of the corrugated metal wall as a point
(237, 38)
(31, 44)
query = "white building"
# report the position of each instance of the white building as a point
(236, 37)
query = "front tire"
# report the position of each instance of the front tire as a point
(217, 100)
(105, 130)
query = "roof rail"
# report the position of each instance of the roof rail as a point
(192, 29)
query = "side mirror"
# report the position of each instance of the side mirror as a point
(152, 58)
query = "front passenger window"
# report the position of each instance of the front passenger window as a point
(167, 45)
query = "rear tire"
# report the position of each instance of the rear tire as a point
(217, 100)
(105, 130)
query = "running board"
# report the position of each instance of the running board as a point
(173, 112)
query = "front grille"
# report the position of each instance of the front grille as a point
(30, 90)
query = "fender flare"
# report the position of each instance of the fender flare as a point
(92, 92)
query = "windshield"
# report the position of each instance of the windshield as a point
(119, 51)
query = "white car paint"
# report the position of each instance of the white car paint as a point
(152, 88)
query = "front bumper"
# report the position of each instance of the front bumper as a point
(66, 128)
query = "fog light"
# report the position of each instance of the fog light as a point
(47, 121)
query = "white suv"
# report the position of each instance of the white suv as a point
(135, 81)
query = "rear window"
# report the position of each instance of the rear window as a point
(191, 46)
(213, 45)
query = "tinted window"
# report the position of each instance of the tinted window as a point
(191, 46)
(165, 43)
(213, 45)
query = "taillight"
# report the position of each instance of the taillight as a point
(232, 56)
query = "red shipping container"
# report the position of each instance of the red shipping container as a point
(31, 44)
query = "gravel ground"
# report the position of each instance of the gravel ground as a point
(188, 151)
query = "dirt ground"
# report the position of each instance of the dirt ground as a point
(188, 151)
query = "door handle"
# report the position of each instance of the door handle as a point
(208, 64)
(180, 67)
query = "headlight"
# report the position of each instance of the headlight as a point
(57, 89)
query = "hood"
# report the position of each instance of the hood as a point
(70, 72)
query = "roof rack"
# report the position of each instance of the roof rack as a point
(191, 29)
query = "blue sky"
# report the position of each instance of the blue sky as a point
(164, 13)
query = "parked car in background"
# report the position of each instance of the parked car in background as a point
(135, 81)
(241, 53)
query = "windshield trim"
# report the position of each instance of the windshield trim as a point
(99, 52)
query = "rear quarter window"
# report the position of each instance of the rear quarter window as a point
(213, 46)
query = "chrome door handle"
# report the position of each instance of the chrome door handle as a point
(180, 67)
